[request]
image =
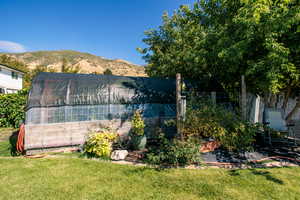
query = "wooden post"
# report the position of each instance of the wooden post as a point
(213, 97)
(257, 109)
(183, 108)
(178, 106)
(244, 98)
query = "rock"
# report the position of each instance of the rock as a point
(209, 157)
(251, 156)
(119, 154)
(297, 149)
(279, 164)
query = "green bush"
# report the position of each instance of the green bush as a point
(12, 108)
(173, 152)
(208, 120)
(238, 136)
(100, 144)
(203, 122)
(138, 124)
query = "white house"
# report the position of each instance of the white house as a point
(11, 80)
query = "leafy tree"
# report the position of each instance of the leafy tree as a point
(67, 68)
(13, 63)
(107, 72)
(38, 69)
(226, 39)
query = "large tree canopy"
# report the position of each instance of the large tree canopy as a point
(226, 39)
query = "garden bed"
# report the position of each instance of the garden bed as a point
(219, 158)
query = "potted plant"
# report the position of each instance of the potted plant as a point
(138, 137)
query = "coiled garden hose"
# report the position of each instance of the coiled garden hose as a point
(20, 141)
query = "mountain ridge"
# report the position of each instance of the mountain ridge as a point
(87, 62)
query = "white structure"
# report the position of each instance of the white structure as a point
(11, 80)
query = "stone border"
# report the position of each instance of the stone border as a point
(271, 164)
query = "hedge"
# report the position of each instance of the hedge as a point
(12, 108)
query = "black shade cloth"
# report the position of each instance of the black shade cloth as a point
(66, 89)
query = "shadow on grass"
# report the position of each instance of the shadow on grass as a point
(265, 174)
(234, 173)
(13, 143)
(143, 170)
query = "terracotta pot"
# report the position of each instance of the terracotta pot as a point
(209, 146)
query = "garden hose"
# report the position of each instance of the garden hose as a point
(20, 141)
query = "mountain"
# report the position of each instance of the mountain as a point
(88, 63)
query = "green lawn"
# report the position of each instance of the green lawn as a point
(5, 133)
(78, 178)
(5, 148)
(6, 139)
(75, 178)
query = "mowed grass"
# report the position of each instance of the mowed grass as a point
(8, 140)
(78, 178)
(5, 133)
(75, 178)
(5, 149)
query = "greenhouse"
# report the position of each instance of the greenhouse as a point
(63, 108)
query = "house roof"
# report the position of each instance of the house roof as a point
(12, 68)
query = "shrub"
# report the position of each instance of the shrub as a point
(121, 143)
(138, 124)
(239, 136)
(99, 144)
(12, 109)
(203, 122)
(173, 152)
(208, 120)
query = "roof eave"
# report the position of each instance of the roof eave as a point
(11, 68)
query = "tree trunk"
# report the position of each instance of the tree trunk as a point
(293, 111)
(243, 98)
(286, 98)
(273, 100)
(266, 99)
(178, 105)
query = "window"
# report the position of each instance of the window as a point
(14, 75)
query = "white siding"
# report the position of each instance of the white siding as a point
(6, 80)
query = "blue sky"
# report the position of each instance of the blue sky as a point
(108, 28)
